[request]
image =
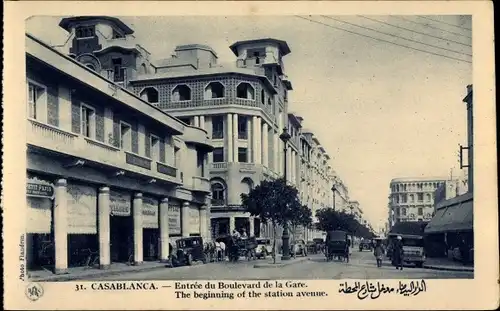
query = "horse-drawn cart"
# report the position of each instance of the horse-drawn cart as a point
(242, 247)
(337, 245)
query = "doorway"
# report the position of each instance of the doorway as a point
(150, 244)
(121, 238)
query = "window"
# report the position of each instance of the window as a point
(125, 136)
(214, 90)
(420, 197)
(88, 121)
(398, 212)
(150, 95)
(242, 155)
(404, 211)
(217, 127)
(143, 69)
(419, 186)
(420, 211)
(155, 147)
(218, 154)
(181, 93)
(404, 198)
(262, 96)
(242, 127)
(118, 71)
(411, 198)
(245, 91)
(218, 194)
(36, 100)
(200, 163)
(428, 197)
(85, 32)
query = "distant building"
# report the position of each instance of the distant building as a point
(412, 199)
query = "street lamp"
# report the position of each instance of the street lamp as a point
(333, 191)
(285, 238)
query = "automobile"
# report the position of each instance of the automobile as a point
(299, 248)
(187, 251)
(365, 245)
(413, 249)
(264, 248)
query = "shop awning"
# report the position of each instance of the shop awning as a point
(457, 216)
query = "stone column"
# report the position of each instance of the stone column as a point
(203, 223)
(252, 224)
(137, 215)
(255, 154)
(164, 234)
(277, 151)
(61, 227)
(235, 137)
(104, 228)
(202, 122)
(196, 121)
(185, 219)
(265, 145)
(229, 137)
(232, 224)
(250, 139)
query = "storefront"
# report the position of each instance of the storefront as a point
(151, 233)
(82, 223)
(194, 221)
(121, 226)
(174, 221)
(39, 227)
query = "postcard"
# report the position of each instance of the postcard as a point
(249, 155)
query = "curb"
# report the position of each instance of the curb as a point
(430, 267)
(279, 265)
(83, 277)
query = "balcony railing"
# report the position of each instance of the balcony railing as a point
(52, 138)
(219, 165)
(201, 184)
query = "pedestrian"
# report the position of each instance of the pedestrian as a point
(397, 253)
(378, 252)
(236, 234)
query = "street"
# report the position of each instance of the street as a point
(361, 266)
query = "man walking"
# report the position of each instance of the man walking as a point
(397, 253)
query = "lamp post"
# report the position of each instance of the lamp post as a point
(333, 191)
(285, 238)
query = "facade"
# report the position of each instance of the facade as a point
(107, 172)
(453, 223)
(412, 199)
(242, 106)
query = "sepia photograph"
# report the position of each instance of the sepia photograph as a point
(244, 152)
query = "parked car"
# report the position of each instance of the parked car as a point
(365, 245)
(264, 248)
(299, 248)
(187, 251)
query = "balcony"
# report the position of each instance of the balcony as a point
(201, 184)
(55, 139)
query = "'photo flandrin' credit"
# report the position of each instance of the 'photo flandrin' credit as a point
(249, 155)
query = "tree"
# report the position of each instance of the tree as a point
(272, 201)
(299, 215)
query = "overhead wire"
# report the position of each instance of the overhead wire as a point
(431, 26)
(382, 40)
(449, 24)
(412, 30)
(395, 36)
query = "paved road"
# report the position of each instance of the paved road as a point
(361, 266)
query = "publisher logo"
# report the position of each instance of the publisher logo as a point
(34, 291)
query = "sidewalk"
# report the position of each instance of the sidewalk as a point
(447, 264)
(280, 263)
(82, 273)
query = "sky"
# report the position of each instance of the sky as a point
(381, 110)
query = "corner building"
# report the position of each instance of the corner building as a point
(107, 171)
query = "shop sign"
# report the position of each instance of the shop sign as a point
(149, 213)
(174, 218)
(119, 204)
(82, 209)
(39, 188)
(194, 219)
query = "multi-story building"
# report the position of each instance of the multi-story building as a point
(106, 170)
(242, 106)
(412, 199)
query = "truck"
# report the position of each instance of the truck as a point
(412, 234)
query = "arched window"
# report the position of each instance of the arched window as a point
(245, 90)
(218, 194)
(214, 90)
(428, 197)
(181, 93)
(143, 70)
(150, 94)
